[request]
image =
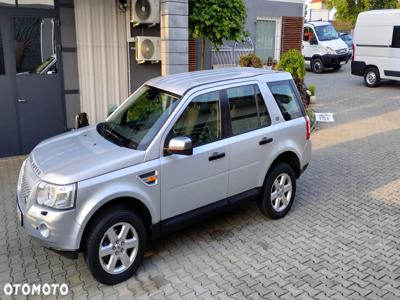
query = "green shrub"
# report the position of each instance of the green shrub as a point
(312, 89)
(250, 60)
(293, 62)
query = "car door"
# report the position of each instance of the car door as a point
(252, 140)
(195, 181)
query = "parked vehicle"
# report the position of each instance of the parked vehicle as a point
(347, 38)
(376, 48)
(322, 48)
(181, 148)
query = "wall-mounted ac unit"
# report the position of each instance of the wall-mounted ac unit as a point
(148, 48)
(145, 12)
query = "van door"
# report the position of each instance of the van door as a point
(307, 48)
(195, 181)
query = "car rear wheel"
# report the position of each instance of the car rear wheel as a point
(115, 246)
(279, 191)
(317, 65)
(372, 77)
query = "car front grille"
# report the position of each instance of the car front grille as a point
(341, 51)
(28, 180)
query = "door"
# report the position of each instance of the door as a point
(33, 99)
(190, 182)
(265, 39)
(252, 138)
(307, 48)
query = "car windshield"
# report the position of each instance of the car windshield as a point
(326, 32)
(136, 122)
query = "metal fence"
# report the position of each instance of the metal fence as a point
(226, 56)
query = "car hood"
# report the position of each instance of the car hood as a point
(335, 44)
(79, 155)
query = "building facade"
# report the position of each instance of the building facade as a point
(62, 57)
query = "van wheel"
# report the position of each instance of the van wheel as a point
(317, 65)
(372, 77)
(115, 245)
(279, 191)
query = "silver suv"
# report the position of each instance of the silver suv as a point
(181, 148)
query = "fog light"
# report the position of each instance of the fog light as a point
(44, 230)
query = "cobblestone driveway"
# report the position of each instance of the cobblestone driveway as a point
(340, 240)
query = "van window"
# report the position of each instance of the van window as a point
(247, 109)
(396, 37)
(201, 120)
(286, 99)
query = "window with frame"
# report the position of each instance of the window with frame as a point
(286, 99)
(396, 37)
(247, 109)
(2, 66)
(201, 120)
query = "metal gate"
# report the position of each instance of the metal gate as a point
(229, 56)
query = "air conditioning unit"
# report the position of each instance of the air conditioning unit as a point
(145, 12)
(148, 48)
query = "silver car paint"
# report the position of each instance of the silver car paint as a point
(104, 171)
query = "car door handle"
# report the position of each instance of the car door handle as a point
(265, 141)
(216, 155)
(21, 100)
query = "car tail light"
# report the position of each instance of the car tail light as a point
(308, 129)
(354, 52)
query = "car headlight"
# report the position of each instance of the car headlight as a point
(56, 196)
(330, 50)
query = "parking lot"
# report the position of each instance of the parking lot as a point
(341, 239)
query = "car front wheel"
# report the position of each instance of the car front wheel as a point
(115, 246)
(279, 191)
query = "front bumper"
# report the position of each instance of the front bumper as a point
(331, 60)
(62, 228)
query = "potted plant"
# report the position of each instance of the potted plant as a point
(313, 97)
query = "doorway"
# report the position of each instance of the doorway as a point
(31, 98)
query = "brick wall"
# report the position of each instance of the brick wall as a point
(292, 33)
(192, 55)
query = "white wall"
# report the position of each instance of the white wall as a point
(102, 56)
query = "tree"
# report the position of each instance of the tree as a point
(217, 20)
(348, 10)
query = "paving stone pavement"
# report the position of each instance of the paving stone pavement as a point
(341, 239)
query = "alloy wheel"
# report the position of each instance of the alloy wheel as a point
(281, 192)
(118, 248)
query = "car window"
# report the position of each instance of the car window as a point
(306, 35)
(286, 99)
(247, 109)
(201, 120)
(396, 37)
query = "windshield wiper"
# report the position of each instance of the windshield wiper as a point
(119, 139)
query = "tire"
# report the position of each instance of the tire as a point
(267, 204)
(123, 221)
(317, 65)
(372, 77)
(337, 67)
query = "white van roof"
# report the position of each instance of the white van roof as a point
(379, 17)
(318, 23)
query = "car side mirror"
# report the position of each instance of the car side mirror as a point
(313, 41)
(180, 145)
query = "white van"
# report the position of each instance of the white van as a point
(376, 46)
(323, 48)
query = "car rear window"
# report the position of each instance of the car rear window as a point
(286, 99)
(247, 109)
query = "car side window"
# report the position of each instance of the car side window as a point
(201, 120)
(247, 109)
(306, 35)
(396, 37)
(286, 99)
